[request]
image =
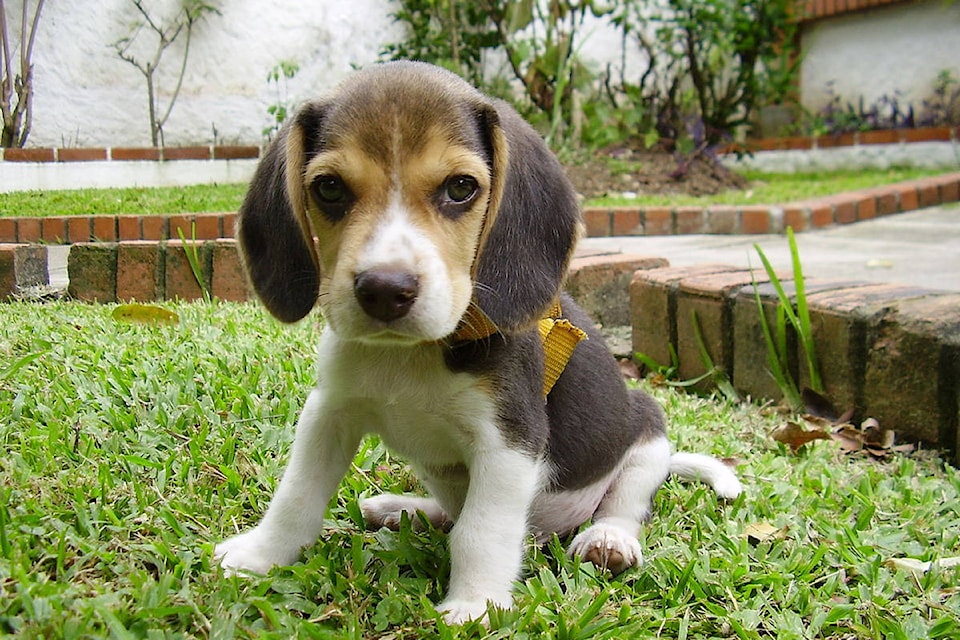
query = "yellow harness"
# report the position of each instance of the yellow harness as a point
(558, 335)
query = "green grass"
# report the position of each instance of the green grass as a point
(766, 188)
(779, 188)
(128, 450)
(141, 201)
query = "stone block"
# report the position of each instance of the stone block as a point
(92, 271)
(653, 307)
(140, 267)
(601, 284)
(910, 382)
(180, 283)
(229, 280)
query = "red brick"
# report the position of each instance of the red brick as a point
(721, 219)
(92, 272)
(866, 209)
(884, 136)
(950, 188)
(658, 221)
(236, 152)
(208, 226)
(796, 216)
(708, 297)
(653, 307)
(821, 214)
(128, 227)
(139, 271)
(229, 281)
(600, 284)
(53, 229)
(105, 228)
(690, 220)
(28, 230)
(186, 153)
(626, 222)
(909, 200)
(154, 228)
(179, 279)
(8, 273)
(908, 373)
(79, 229)
(929, 193)
(135, 153)
(597, 222)
(35, 154)
(927, 134)
(756, 219)
(8, 230)
(88, 154)
(228, 224)
(844, 209)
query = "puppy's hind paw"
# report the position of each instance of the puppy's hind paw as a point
(607, 547)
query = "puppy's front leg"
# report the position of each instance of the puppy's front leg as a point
(319, 459)
(486, 544)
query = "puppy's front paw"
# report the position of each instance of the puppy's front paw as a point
(253, 553)
(463, 611)
(608, 547)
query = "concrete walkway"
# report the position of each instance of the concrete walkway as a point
(920, 248)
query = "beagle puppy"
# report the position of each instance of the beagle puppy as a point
(433, 227)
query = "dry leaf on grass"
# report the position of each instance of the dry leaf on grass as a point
(869, 437)
(919, 566)
(758, 532)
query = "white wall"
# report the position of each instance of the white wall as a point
(879, 51)
(86, 96)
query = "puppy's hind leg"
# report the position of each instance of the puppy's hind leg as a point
(386, 510)
(696, 466)
(611, 541)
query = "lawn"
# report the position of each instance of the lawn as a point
(766, 188)
(128, 450)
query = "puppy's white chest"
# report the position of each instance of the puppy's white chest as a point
(407, 396)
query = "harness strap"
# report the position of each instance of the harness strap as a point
(558, 335)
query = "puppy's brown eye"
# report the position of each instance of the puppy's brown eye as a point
(460, 188)
(329, 189)
(332, 196)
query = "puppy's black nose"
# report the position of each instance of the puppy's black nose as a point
(386, 294)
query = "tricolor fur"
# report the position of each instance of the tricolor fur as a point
(394, 204)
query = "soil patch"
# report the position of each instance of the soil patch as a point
(623, 170)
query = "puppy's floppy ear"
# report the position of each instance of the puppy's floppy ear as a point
(532, 225)
(273, 233)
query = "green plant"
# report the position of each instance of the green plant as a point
(192, 250)
(278, 78)
(17, 115)
(453, 35)
(164, 33)
(667, 374)
(778, 351)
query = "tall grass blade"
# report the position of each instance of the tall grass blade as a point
(804, 326)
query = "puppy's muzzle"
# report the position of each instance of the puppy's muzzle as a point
(386, 294)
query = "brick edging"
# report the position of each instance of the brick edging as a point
(817, 213)
(891, 352)
(130, 154)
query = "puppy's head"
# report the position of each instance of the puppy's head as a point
(400, 200)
